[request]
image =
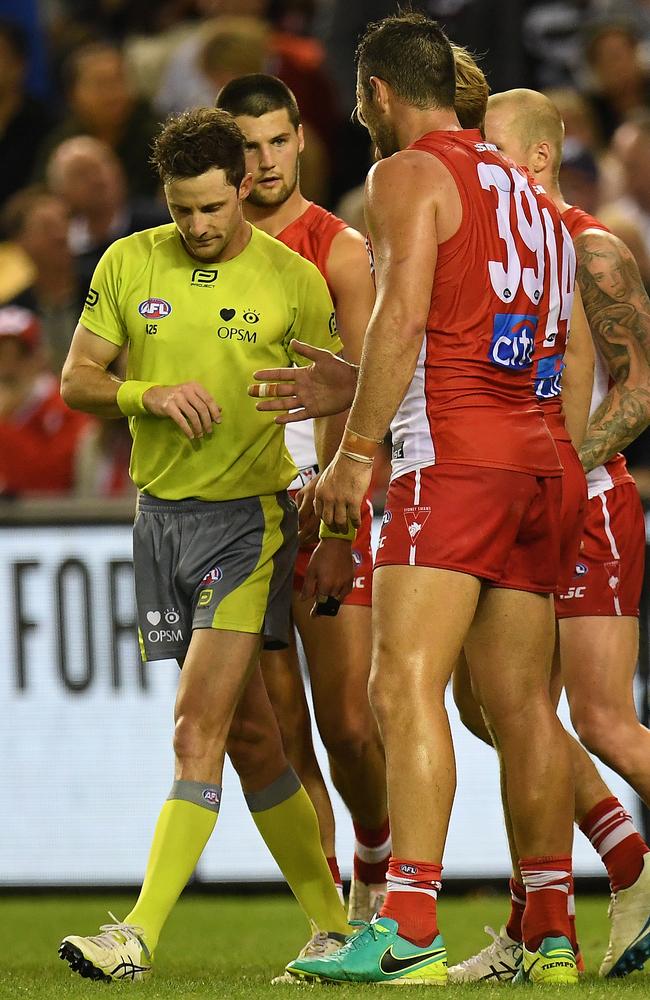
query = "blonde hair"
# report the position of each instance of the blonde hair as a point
(472, 89)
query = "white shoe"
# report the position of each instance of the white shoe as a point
(629, 933)
(498, 962)
(365, 900)
(318, 946)
(119, 952)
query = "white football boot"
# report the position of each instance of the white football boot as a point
(365, 900)
(119, 952)
(498, 962)
(629, 933)
(318, 946)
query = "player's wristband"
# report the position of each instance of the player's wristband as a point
(348, 536)
(358, 446)
(129, 397)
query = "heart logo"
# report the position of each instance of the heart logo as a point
(153, 617)
(227, 314)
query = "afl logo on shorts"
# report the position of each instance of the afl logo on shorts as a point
(387, 518)
(581, 569)
(155, 308)
(213, 576)
(356, 557)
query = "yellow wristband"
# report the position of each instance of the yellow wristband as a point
(129, 397)
(348, 536)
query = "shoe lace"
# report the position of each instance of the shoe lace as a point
(497, 943)
(317, 945)
(128, 931)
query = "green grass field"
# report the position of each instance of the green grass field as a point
(218, 947)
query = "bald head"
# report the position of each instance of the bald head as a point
(528, 128)
(86, 173)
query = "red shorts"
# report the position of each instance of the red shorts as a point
(608, 575)
(361, 593)
(573, 513)
(495, 524)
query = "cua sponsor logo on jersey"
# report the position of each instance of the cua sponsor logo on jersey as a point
(513, 340)
(155, 308)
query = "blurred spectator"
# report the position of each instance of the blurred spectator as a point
(23, 119)
(87, 175)
(578, 117)
(102, 463)
(579, 176)
(621, 83)
(37, 221)
(631, 147)
(299, 62)
(103, 104)
(39, 436)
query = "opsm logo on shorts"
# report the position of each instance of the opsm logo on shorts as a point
(155, 308)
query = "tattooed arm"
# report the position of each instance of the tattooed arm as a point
(618, 311)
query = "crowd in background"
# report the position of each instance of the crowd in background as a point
(85, 83)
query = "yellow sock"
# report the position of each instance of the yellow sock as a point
(287, 821)
(183, 829)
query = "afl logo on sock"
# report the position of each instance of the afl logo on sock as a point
(211, 795)
(408, 869)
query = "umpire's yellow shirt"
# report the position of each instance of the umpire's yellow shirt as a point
(215, 324)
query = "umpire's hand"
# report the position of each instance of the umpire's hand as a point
(189, 405)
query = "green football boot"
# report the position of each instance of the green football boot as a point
(377, 954)
(554, 963)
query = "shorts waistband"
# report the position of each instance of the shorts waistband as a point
(155, 505)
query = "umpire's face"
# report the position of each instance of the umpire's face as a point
(207, 211)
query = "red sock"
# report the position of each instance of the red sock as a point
(517, 907)
(336, 874)
(612, 833)
(371, 853)
(548, 881)
(571, 910)
(411, 900)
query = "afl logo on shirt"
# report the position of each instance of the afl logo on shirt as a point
(513, 340)
(155, 308)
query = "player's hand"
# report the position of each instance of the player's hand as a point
(308, 523)
(189, 405)
(340, 492)
(330, 572)
(325, 387)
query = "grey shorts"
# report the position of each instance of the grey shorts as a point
(224, 565)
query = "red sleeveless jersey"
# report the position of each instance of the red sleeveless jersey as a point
(613, 472)
(311, 235)
(471, 400)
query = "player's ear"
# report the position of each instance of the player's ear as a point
(301, 138)
(541, 156)
(380, 92)
(245, 187)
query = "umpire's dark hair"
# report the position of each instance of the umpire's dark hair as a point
(413, 55)
(195, 141)
(256, 94)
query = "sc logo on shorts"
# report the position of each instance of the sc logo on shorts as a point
(513, 340)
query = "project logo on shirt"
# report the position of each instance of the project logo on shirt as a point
(155, 308)
(92, 298)
(513, 340)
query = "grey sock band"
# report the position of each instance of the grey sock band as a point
(198, 792)
(278, 791)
